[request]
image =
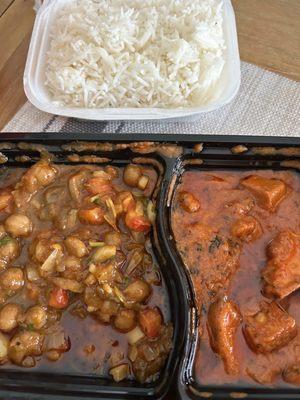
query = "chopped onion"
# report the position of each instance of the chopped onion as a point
(32, 273)
(138, 237)
(94, 199)
(104, 253)
(143, 182)
(119, 294)
(111, 216)
(149, 353)
(50, 262)
(135, 335)
(132, 353)
(107, 288)
(90, 280)
(111, 207)
(151, 213)
(56, 340)
(120, 372)
(72, 218)
(135, 260)
(3, 346)
(35, 203)
(75, 183)
(102, 174)
(68, 284)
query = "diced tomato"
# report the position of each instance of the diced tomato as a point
(138, 223)
(58, 298)
(99, 186)
(92, 216)
(150, 321)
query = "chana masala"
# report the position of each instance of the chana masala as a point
(80, 289)
(238, 233)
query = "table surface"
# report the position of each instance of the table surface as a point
(268, 30)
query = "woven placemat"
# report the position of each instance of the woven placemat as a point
(266, 105)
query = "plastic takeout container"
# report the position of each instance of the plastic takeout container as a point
(34, 76)
(177, 379)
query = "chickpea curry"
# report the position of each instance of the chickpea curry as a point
(80, 290)
(238, 233)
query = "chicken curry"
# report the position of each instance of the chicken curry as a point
(80, 290)
(238, 233)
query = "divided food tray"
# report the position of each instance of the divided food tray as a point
(176, 379)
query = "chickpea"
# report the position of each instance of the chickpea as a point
(247, 228)
(76, 247)
(39, 175)
(36, 316)
(113, 238)
(9, 316)
(18, 225)
(25, 344)
(40, 250)
(132, 174)
(53, 355)
(12, 279)
(9, 251)
(92, 216)
(137, 291)
(112, 171)
(125, 320)
(33, 291)
(72, 268)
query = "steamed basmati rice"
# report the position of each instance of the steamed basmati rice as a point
(135, 53)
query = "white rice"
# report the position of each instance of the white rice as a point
(135, 53)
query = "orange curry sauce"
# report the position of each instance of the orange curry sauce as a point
(226, 261)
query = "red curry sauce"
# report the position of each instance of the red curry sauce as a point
(238, 235)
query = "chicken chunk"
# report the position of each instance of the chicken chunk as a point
(222, 322)
(269, 329)
(189, 202)
(292, 374)
(281, 275)
(247, 229)
(267, 192)
(263, 374)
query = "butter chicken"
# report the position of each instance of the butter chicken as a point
(238, 234)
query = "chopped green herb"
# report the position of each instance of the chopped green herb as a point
(126, 280)
(215, 244)
(30, 327)
(96, 244)
(6, 239)
(94, 198)
(199, 247)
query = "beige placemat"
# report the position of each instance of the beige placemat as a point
(267, 104)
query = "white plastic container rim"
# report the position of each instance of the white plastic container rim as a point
(37, 94)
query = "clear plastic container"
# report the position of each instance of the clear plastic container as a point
(34, 76)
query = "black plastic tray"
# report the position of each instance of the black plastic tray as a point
(176, 379)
